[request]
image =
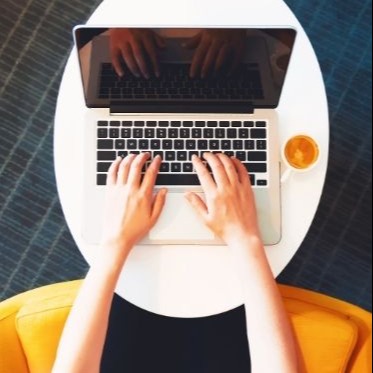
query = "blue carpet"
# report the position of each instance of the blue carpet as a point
(36, 247)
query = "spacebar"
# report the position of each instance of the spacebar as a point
(177, 179)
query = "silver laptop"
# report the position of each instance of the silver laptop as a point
(178, 92)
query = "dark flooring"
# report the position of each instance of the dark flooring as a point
(36, 247)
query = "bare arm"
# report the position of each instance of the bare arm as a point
(229, 211)
(132, 210)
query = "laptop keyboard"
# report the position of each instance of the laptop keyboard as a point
(175, 83)
(177, 141)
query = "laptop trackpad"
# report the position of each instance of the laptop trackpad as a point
(179, 222)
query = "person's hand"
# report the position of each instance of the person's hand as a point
(131, 208)
(138, 48)
(229, 210)
(216, 51)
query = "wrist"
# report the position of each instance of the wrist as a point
(111, 257)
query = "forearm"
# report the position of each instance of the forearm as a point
(83, 338)
(268, 325)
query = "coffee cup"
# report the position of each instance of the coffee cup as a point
(300, 153)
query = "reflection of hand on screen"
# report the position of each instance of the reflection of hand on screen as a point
(138, 48)
(215, 51)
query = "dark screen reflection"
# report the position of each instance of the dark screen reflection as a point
(195, 65)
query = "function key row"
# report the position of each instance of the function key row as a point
(185, 123)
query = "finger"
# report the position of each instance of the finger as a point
(151, 175)
(204, 176)
(198, 204)
(198, 58)
(139, 53)
(160, 41)
(137, 165)
(222, 58)
(241, 171)
(152, 53)
(217, 168)
(115, 60)
(230, 168)
(159, 202)
(210, 59)
(129, 59)
(113, 172)
(124, 168)
(193, 42)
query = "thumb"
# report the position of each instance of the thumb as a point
(198, 204)
(159, 201)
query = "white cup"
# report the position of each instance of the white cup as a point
(300, 153)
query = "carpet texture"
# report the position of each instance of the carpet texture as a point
(36, 247)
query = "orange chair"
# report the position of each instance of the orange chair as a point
(334, 336)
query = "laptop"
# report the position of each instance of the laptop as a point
(176, 92)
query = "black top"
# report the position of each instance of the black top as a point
(139, 341)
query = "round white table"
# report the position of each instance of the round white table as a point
(190, 281)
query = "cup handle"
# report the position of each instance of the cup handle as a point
(285, 175)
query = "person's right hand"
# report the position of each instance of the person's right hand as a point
(229, 210)
(137, 48)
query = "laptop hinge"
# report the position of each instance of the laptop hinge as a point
(186, 107)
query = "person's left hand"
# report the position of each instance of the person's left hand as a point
(216, 50)
(131, 209)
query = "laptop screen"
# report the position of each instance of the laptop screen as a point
(183, 69)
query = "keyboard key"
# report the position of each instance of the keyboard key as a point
(258, 133)
(155, 144)
(237, 145)
(236, 123)
(122, 153)
(213, 144)
(212, 123)
(224, 123)
(115, 123)
(252, 179)
(163, 123)
(103, 166)
(188, 123)
(257, 156)
(161, 133)
(261, 144)
(173, 133)
(260, 124)
(131, 144)
(262, 182)
(190, 144)
(226, 144)
(143, 144)
(126, 133)
(102, 123)
(114, 133)
(138, 133)
(165, 167)
(166, 144)
(241, 156)
(149, 133)
(184, 133)
(160, 153)
(177, 179)
(231, 133)
(248, 123)
(187, 167)
(176, 167)
(179, 144)
(196, 133)
(139, 123)
(106, 155)
(102, 133)
(101, 179)
(151, 123)
(220, 133)
(170, 156)
(229, 153)
(175, 123)
(126, 123)
(208, 133)
(200, 123)
(256, 167)
(181, 156)
(105, 144)
(249, 144)
(119, 144)
(190, 156)
(243, 133)
(202, 144)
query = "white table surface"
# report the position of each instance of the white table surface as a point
(190, 281)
